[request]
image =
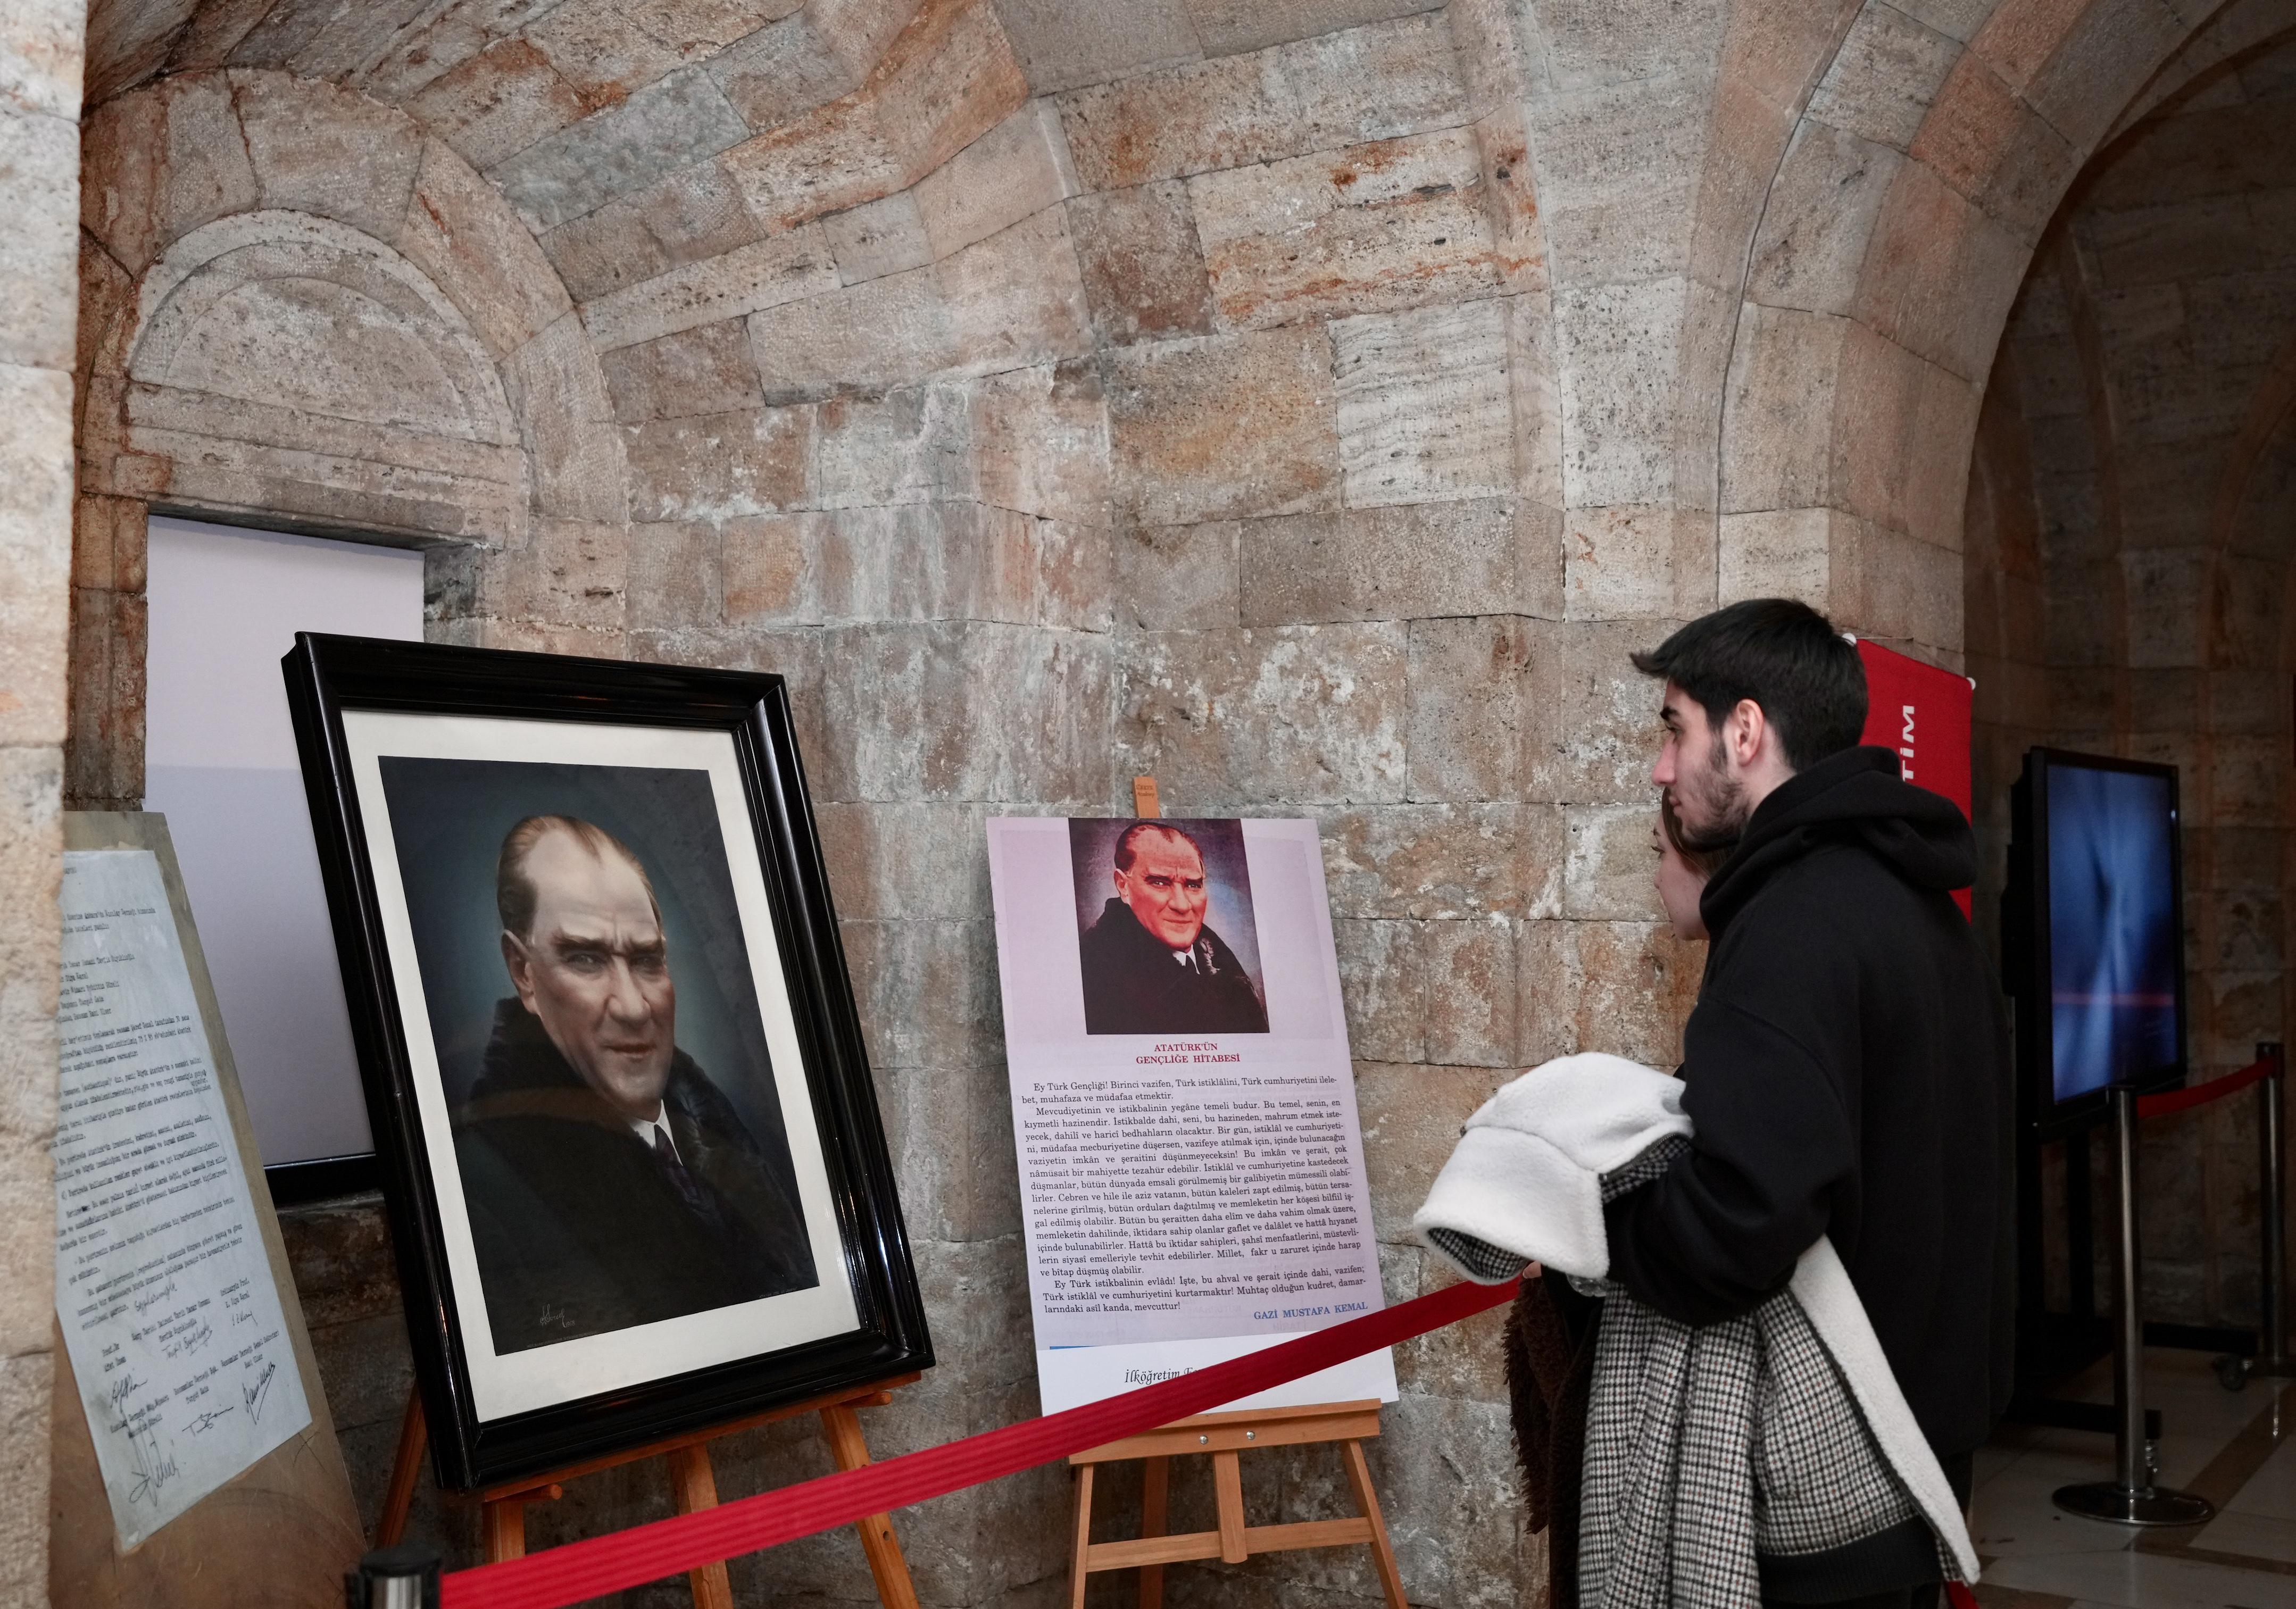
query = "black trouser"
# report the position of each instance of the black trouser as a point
(1924, 1596)
(1902, 1551)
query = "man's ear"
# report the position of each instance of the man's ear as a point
(520, 965)
(1744, 733)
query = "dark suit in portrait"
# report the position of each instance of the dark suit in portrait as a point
(1134, 984)
(581, 1228)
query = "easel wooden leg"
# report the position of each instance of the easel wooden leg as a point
(1155, 1475)
(399, 1496)
(1227, 1498)
(1225, 1437)
(1382, 1551)
(503, 1521)
(1079, 1557)
(694, 1485)
(895, 1589)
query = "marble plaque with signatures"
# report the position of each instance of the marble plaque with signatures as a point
(163, 1290)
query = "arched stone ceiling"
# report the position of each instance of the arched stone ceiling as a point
(1862, 363)
(1751, 261)
(295, 305)
(2157, 335)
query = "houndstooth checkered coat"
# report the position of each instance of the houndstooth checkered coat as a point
(1706, 1446)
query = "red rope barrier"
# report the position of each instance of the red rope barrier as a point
(2199, 1094)
(560, 1576)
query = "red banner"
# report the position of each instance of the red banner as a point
(1922, 714)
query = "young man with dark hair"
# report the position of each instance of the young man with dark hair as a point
(1846, 1065)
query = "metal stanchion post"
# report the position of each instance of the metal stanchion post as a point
(2129, 1498)
(2272, 1357)
(405, 1576)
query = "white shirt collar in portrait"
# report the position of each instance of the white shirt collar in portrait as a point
(644, 1130)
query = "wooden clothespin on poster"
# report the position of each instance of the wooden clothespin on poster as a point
(1144, 803)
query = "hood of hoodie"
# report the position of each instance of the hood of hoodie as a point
(1857, 797)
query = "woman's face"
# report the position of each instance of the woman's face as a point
(1678, 888)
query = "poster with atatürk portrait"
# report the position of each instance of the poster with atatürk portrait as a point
(1183, 1109)
(608, 1043)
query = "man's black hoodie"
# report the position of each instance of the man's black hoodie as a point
(1847, 1070)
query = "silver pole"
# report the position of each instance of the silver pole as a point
(2130, 1497)
(401, 1577)
(2128, 1316)
(2272, 1334)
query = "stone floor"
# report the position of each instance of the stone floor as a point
(2236, 1449)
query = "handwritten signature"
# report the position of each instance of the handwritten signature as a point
(125, 1387)
(257, 1393)
(152, 1472)
(152, 1299)
(556, 1317)
(200, 1425)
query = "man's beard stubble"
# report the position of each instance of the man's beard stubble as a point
(1725, 797)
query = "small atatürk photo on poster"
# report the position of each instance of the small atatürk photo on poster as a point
(1166, 938)
(616, 1123)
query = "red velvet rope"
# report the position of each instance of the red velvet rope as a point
(565, 1575)
(2198, 1095)
(588, 1569)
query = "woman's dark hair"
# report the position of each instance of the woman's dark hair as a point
(1704, 861)
(1783, 655)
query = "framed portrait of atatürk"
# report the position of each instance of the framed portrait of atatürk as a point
(636, 1175)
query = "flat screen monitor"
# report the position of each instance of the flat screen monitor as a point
(2103, 1001)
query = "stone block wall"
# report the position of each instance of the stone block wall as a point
(1309, 403)
(40, 53)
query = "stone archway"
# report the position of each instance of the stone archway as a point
(297, 308)
(1314, 411)
(1771, 252)
(2127, 561)
(263, 177)
(1902, 221)
(278, 364)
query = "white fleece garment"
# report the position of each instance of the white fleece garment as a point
(1527, 1176)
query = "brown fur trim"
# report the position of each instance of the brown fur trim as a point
(1549, 1344)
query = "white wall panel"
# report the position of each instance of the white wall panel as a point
(226, 603)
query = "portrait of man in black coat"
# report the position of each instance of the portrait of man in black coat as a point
(1150, 963)
(610, 1182)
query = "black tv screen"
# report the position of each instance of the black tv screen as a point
(2105, 1000)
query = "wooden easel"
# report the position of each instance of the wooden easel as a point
(693, 1486)
(1225, 1437)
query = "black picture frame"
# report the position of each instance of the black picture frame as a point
(329, 676)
